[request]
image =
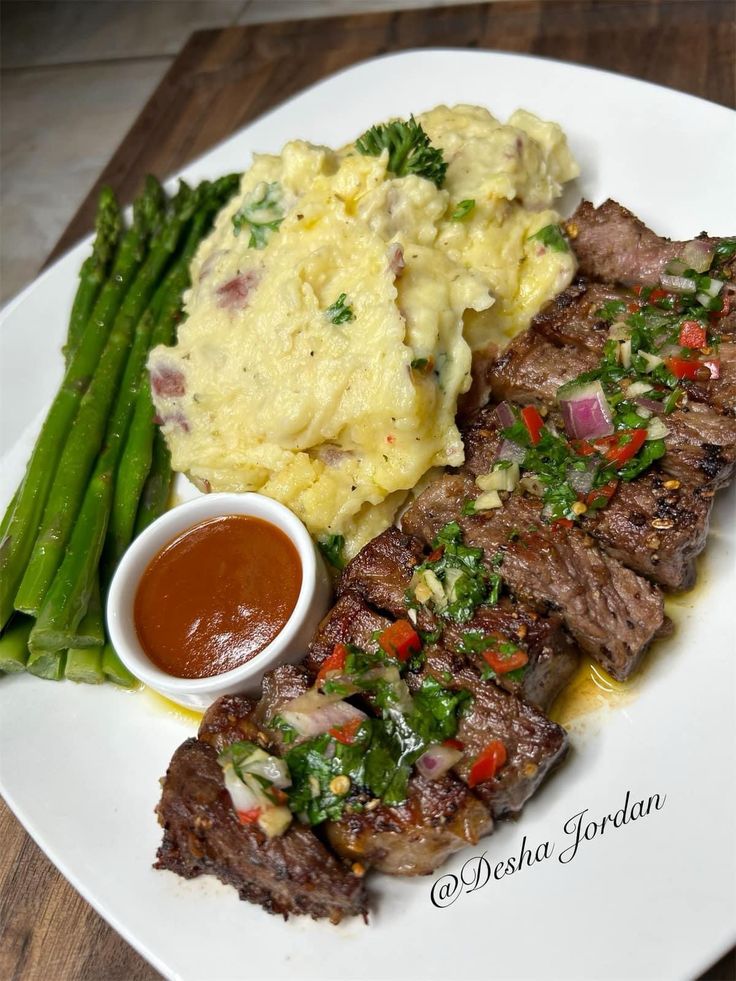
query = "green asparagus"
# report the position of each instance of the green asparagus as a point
(84, 664)
(22, 520)
(157, 488)
(135, 463)
(93, 516)
(115, 670)
(69, 594)
(92, 275)
(77, 459)
(91, 630)
(14, 644)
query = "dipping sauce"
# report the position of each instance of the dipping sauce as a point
(216, 596)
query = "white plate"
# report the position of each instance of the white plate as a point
(652, 899)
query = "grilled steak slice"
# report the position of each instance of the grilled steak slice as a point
(438, 818)
(381, 573)
(228, 720)
(382, 570)
(701, 443)
(614, 246)
(350, 621)
(292, 873)
(553, 568)
(534, 745)
(656, 525)
(655, 529)
(571, 319)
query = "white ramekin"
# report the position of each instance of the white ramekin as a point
(288, 647)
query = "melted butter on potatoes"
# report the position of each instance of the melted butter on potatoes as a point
(332, 313)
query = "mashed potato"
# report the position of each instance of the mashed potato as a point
(334, 309)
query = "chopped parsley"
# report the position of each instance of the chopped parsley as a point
(379, 759)
(409, 149)
(552, 237)
(261, 214)
(332, 547)
(340, 312)
(460, 572)
(462, 210)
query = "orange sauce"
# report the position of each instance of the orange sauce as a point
(216, 596)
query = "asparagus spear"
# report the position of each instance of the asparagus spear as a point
(84, 664)
(108, 227)
(135, 463)
(48, 664)
(84, 441)
(67, 599)
(14, 644)
(91, 630)
(23, 517)
(157, 488)
(93, 516)
(115, 670)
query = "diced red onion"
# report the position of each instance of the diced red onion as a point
(581, 481)
(586, 412)
(319, 715)
(503, 415)
(678, 284)
(652, 404)
(697, 255)
(511, 452)
(437, 760)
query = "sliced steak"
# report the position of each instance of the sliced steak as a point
(656, 524)
(382, 570)
(571, 319)
(614, 246)
(381, 573)
(610, 611)
(701, 443)
(534, 745)
(350, 621)
(292, 873)
(438, 818)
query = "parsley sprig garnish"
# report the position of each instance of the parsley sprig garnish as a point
(409, 149)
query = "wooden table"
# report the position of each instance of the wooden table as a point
(220, 81)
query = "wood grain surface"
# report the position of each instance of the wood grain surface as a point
(223, 79)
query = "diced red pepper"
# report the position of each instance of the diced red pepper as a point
(618, 453)
(436, 555)
(692, 334)
(346, 733)
(582, 447)
(656, 295)
(453, 744)
(503, 663)
(400, 640)
(487, 763)
(559, 523)
(606, 492)
(533, 422)
(691, 369)
(335, 662)
(633, 307)
(249, 817)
